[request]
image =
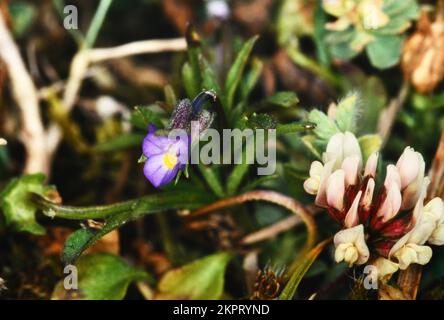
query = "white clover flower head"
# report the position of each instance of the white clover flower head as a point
(391, 219)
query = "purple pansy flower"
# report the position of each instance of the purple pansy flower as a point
(166, 156)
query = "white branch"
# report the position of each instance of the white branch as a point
(84, 58)
(135, 48)
(25, 95)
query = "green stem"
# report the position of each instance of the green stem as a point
(136, 207)
(79, 213)
(301, 59)
(294, 127)
(97, 22)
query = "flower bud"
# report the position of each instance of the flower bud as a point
(340, 146)
(180, 118)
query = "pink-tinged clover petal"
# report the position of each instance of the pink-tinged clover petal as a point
(350, 166)
(371, 165)
(352, 217)
(336, 189)
(321, 197)
(368, 194)
(391, 204)
(392, 177)
(408, 166)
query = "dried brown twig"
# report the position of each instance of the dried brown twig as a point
(388, 115)
(269, 196)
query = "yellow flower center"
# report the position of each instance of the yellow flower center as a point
(170, 160)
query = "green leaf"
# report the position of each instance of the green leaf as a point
(209, 79)
(261, 121)
(369, 144)
(284, 99)
(23, 16)
(144, 115)
(234, 75)
(407, 8)
(325, 127)
(117, 214)
(384, 51)
(120, 142)
(101, 276)
(236, 176)
(212, 179)
(190, 82)
(170, 96)
(339, 44)
(374, 100)
(202, 279)
(346, 113)
(17, 208)
(301, 269)
(251, 79)
(294, 127)
(309, 142)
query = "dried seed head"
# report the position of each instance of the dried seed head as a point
(268, 285)
(423, 54)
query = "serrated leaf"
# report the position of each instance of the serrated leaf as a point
(369, 144)
(234, 75)
(384, 51)
(284, 99)
(18, 210)
(202, 279)
(346, 113)
(101, 276)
